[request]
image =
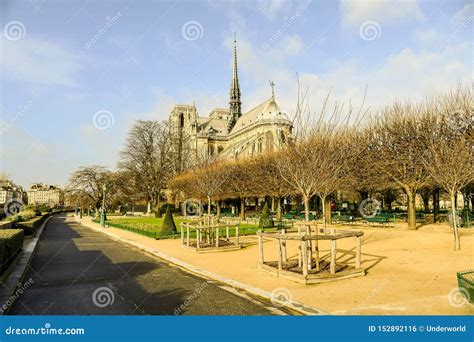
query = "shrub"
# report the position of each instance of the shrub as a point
(31, 226)
(266, 220)
(168, 227)
(11, 242)
(23, 215)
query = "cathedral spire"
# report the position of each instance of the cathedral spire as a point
(234, 103)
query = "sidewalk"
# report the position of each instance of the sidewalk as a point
(408, 272)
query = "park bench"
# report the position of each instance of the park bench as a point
(343, 219)
(282, 224)
(381, 219)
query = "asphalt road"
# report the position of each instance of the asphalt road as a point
(77, 271)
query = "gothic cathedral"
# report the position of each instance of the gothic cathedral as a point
(227, 133)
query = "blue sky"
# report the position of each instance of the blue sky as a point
(66, 63)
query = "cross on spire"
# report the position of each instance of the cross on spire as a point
(272, 84)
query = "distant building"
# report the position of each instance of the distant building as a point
(42, 194)
(10, 191)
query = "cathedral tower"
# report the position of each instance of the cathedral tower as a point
(234, 103)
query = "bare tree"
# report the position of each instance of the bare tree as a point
(449, 137)
(314, 162)
(91, 182)
(394, 149)
(266, 180)
(147, 160)
(240, 184)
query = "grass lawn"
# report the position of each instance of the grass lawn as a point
(151, 226)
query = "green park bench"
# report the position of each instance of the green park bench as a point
(293, 215)
(382, 219)
(302, 216)
(343, 219)
(281, 224)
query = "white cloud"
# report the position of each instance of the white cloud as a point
(355, 12)
(429, 36)
(291, 45)
(464, 13)
(407, 73)
(35, 60)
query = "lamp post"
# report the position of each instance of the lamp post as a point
(102, 214)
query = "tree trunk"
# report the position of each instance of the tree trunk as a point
(209, 205)
(436, 205)
(218, 208)
(242, 208)
(327, 211)
(411, 209)
(457, 242)
(306, 207)
(278, 209)
(426, 204)
(323, 202)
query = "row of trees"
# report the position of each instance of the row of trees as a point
(408, 146)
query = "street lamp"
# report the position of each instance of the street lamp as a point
(102, 214)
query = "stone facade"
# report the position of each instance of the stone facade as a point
(227, 133)
(41, 194)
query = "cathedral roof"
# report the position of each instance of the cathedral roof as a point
(212, 126)
(268, 110)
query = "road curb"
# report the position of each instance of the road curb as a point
(13, 285)
(292, 305)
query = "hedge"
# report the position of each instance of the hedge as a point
(11, 242)
(31, 226)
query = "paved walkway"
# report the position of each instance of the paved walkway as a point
(77, 271)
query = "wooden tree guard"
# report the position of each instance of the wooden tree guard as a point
(208, 236)
(302, 270)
